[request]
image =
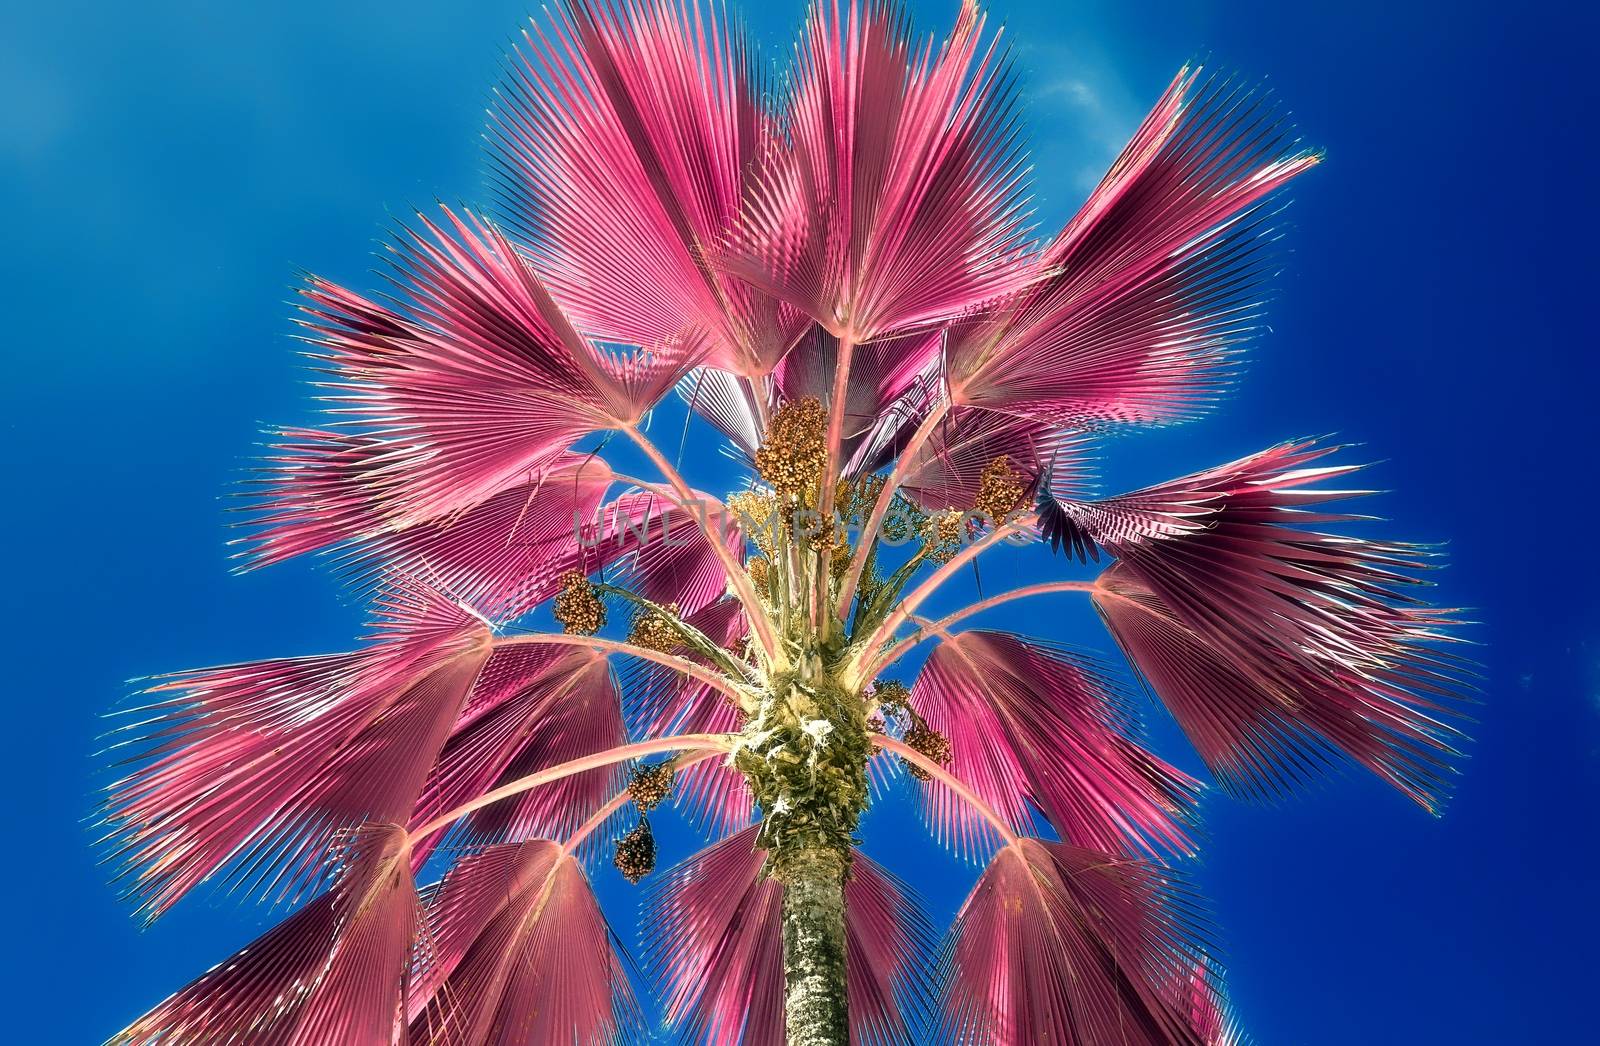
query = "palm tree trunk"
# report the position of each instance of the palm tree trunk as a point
(815, 1008)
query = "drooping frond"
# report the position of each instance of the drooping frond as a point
(1031, 724)
(255, 768)
(891, 946)
(716, 949)
(507, 553)
(1068, 946)
(896, 195)
(1260, 737)
(477, 383)
(710, 945)
(1141, 303)
(337, 970)
(1271, 641)
(522, 955)
(529, 711)
(626, 134)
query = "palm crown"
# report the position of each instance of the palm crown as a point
(839, 275)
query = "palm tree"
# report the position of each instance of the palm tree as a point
(840, 277)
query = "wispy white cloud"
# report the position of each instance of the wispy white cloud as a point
(1082, 113)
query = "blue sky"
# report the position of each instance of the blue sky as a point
(169, 166)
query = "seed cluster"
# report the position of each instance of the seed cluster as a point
(578, 607)
(650, 785)
(943, 535)
(795, 449)
(839, 562)
(855, 498)
(892, 696)
(654, 630)
(636, 853)
(1000, 489)
(902, 520)
(760, 574)
(930, 743)
(757, 517)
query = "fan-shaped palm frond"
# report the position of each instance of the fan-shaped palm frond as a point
(1139, 304)
(477, 383)
(337, 970)
(1063, 945)
(1041, 726)
(716, 947)
(1270, 641)
(627, 134)
(544, 715)
(897, 196)
(256, 768)
(522, 955)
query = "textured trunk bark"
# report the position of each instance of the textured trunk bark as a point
(815, 1007)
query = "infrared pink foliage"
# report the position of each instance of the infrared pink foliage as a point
(717, 949)
(834, 269)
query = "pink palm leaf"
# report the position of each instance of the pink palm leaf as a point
(504, 554)
(1142, 299)
(1034, 724)
(1062, 945)
(522, 955)
(338, 970)
(627, 134)
(479, 384)
(1261, 738)
(256, 768)
(716, 949)
(1269, 641)
(664, 555)
(897, 198)
(529, 711)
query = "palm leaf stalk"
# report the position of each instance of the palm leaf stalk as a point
(838, 274)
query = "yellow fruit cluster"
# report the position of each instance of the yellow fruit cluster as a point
(653, 630)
